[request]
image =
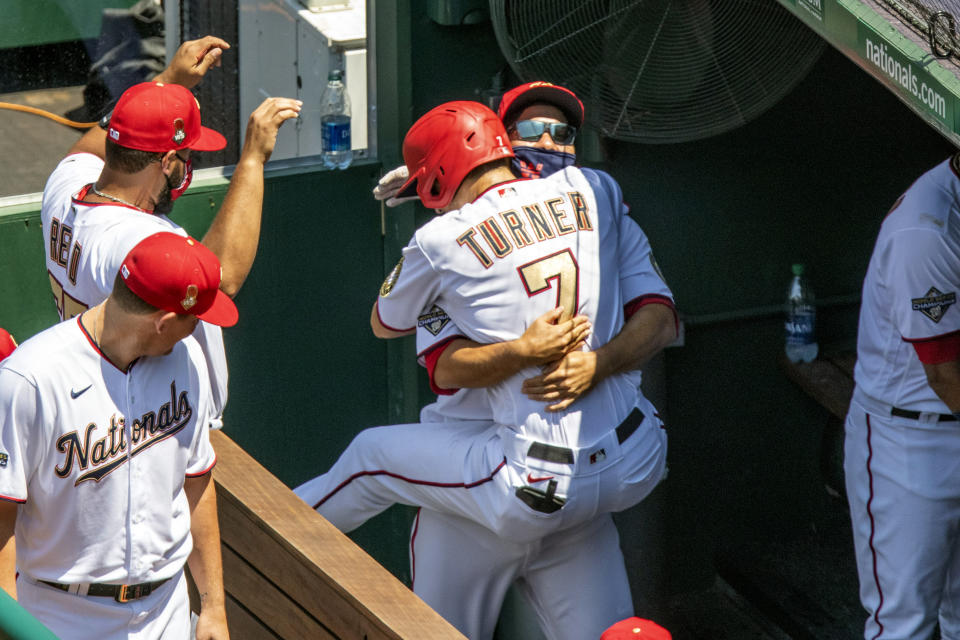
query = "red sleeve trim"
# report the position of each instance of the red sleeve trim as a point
(205, 471)
(9, 499)
(653, 298)
(430, 358)
(388, 326)
(937, 350)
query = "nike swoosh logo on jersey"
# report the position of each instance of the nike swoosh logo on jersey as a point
(533, 480)
(77, 394)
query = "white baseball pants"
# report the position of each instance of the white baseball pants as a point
(903, 485)
(575, 580)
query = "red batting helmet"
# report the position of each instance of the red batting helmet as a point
(445, 144)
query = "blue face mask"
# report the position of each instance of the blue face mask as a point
(532, 162)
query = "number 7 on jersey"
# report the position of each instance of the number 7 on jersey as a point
(563, 268)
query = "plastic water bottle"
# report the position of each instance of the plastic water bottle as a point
(801, 341)
(335, 123)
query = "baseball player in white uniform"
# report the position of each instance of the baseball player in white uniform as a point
(94, 212)
(105, 460)
(902, 448)
(464, 588)
(534, 473)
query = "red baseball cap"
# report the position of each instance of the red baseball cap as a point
(176, 273)
(152, 116)
(636, 629)
(518, 98)
(7, 343)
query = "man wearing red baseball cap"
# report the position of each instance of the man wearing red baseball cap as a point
(542, 120)
(117, 183)
(105, 457)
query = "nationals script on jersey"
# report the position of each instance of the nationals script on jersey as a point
(85, 244)
(97, 457)
(500, 262)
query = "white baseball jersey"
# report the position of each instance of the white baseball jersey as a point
(468, 589)
(85, 244)
(500, 262)
(638, 272)
(910, 291)
(517, 479)
(902, 446)
(97, 457)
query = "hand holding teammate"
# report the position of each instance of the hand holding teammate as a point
(547, 339)
(192, 61)
(264, 125)
(564, 380)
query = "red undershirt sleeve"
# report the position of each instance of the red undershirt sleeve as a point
(430, 359)
(634, 305)
(939, 349)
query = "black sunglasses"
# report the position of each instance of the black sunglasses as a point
(531, 130)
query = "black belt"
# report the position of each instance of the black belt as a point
(119, 592)
(563, 455)
(915, 415)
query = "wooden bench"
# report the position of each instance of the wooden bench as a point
(288, 573)
(828, 379)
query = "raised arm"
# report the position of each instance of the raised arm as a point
(190, 63)
(234, 233)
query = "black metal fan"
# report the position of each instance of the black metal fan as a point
(660, 71)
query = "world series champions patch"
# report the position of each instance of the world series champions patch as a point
(434, 320)
(934, 304)
(391, 280)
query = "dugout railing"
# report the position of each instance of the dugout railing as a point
(288, 573)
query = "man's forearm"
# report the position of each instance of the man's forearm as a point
(8, 548)
(234, 234)
(468, 365)
(944, 379)
(205, 561)
(645, 334)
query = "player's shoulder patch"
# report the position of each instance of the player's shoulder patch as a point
(391, 280)
(434, 320)
(4, 459)
(934, 303)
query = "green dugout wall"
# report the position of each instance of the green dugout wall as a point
(808, 181)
